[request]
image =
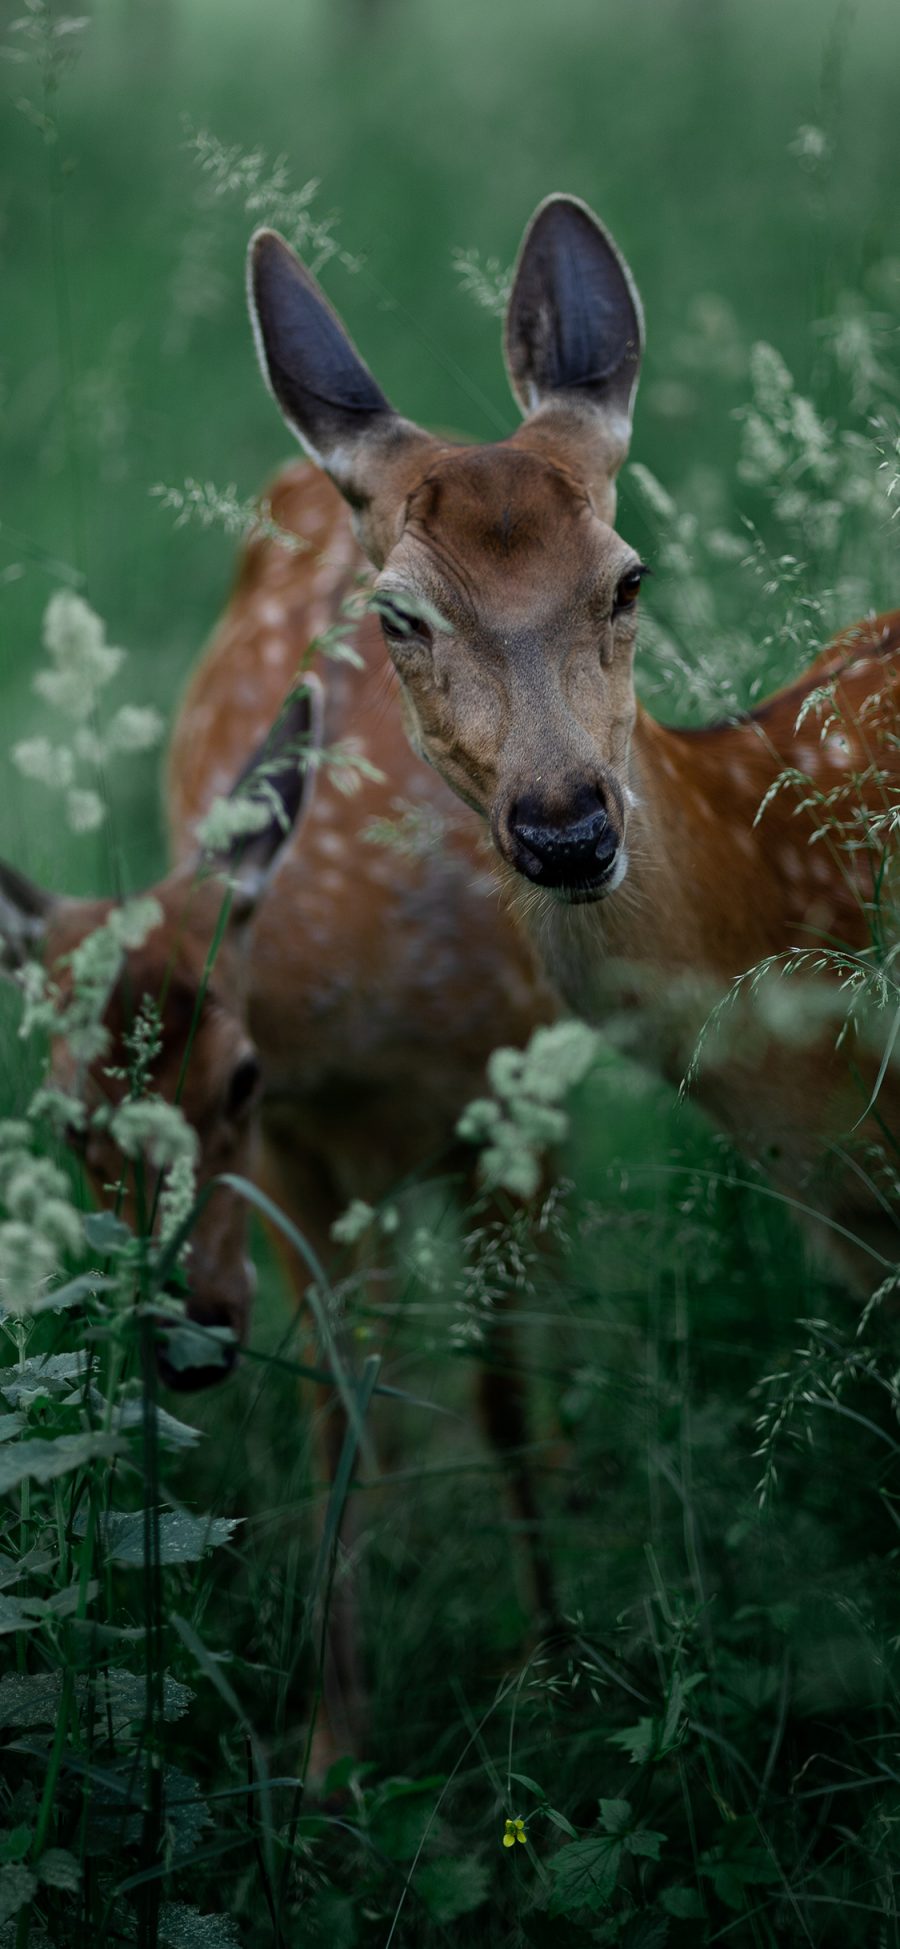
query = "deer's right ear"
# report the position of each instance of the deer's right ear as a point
(25, 911)
(327, 395)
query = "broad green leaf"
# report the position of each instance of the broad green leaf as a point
(105, 1233)
(452, 1887)
(17, 1885)
(187, 1345)
(59, 1869)
(524, 1780)
(738, 1862)
(20, 1614)
(684, 1903)
(133, 1417)
(616, 1816)
(46, 1374)
(646, 1842)
(183, 1538)
(116, 1817)
(34, 1561)
(10, 1425)
(29, 1698)
(15, 1843)
(638, 1740)
(186, 1928)
(73, 1292)
(26, 1613)
(584, 1874)
(43, 1461)
(119, 1697)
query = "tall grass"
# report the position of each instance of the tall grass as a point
(707, 1750)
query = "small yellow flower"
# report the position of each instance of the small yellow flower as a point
(514, 1831)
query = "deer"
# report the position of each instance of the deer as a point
(356, 994)
(651, 865)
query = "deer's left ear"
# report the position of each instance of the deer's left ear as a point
(328, 395)
(25, 911)
(278, 784)
(573, 341)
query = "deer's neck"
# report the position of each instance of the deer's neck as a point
(711, 889)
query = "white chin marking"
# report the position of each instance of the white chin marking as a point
(618, 873)
(589, 896)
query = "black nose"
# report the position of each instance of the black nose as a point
(578, 854)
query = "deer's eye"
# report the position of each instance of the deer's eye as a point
(402, 628)
(244, 1086)
(629, 588)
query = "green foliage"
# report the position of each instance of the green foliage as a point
(451, 1888)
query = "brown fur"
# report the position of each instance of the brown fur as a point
(637, 855)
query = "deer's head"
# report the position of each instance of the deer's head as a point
(172, 1019)
(507, 598)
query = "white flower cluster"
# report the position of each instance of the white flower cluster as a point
(95, 965)
(525, 1115)
(264, 189)
(789, 451)
(202, 501)
(486, 281)
(160, 1131)
(229, 819)
(40, 1222)
(81, 664)
(357, 1218)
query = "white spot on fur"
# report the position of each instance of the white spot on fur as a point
(273, 651)
(791, 864)
(807, 759)
(271, 612)
(838, 749)
(330, 844)
(381, 871)
(618, 873)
